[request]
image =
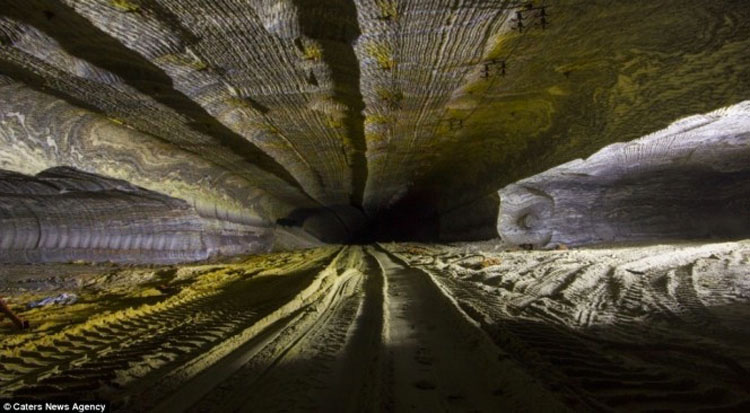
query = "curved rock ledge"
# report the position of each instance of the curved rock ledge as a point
(63, 214)
(688, 181)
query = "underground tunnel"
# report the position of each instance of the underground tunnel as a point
(374, 205)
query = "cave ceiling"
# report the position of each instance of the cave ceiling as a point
(265, 107)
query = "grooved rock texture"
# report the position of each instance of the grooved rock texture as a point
(600, 72)
(38, 131)
(352, 117)
(690, 180)
(63, 214)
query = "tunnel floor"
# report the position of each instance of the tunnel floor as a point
(391, 327)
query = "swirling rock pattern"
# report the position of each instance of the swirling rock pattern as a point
(38, 131)
(688, 181)
(357, 110)
(63, 214)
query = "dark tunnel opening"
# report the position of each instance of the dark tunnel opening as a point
(413, 218)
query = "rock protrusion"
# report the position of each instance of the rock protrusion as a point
(63, 214)
(688, 181)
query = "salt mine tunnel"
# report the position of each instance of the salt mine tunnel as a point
(375, 205)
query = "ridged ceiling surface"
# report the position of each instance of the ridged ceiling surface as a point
(256, 109)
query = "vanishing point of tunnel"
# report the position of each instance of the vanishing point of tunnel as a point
(374, 205)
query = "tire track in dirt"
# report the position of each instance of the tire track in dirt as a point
(439, 359)
(309, 360)
(108, 357)
(625, 366)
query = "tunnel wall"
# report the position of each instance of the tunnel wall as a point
(63, 214)
(688, 181)
(38, 131)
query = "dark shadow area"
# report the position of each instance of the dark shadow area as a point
(474, 221)
(336, 224)
(413, 218)
(417, 217)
